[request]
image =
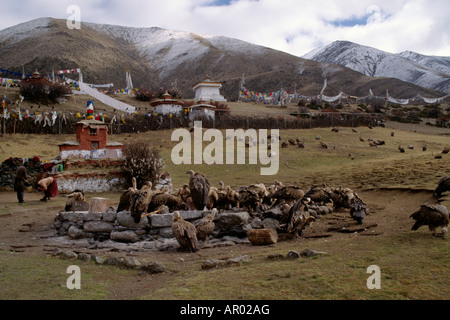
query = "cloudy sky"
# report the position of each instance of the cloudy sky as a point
(293, 26)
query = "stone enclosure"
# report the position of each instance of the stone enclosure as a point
(102, 224)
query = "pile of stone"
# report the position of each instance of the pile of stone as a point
(102, 223)
(9, 167)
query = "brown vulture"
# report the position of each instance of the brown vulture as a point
(185, 233)
(443, 185)
(318, 195)
(299, 218)
(199, 187)
(433, 216)
(140, 200)
(288, 194)
(172, 202)
(205, 226)
(124, 202)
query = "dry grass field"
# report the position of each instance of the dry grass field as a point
(414, 265)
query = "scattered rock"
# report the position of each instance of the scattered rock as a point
(311, 253)
(153, 267)
(292, 254)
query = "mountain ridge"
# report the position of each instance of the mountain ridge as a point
(161, 58)
(431, 72)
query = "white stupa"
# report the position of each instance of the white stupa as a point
(208, 90)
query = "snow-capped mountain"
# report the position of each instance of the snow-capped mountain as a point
(160, 58)
(425, 71)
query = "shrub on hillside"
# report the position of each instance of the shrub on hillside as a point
(143, 163)
(42, 91)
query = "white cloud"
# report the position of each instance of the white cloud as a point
(294, 26)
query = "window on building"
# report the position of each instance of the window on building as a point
(95, 145)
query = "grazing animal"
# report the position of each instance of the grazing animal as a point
(199, 187)
(358, 210)
(433, 216)
(185, 233)
(443, 185)
(299, 217)
(205, 226)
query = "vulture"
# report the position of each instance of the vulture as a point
(443, 185)
(184, 193)
(335, 130)
(401, 149)
(424, 148)
(318, 195)
(433, 216)
(285, 144)
(205, 226)
(341, 197)
(139, 201)
(124, 202)
(185, 233)
(162, 198)
(301, 144)
(252, 196)
(291, 141)
(299, 217)
(323, 145)
(199, 187)
(218, 197)
(358, 210)
(233, 197)
(287, 194)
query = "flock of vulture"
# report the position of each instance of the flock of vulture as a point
(199, 195)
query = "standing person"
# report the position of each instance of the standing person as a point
(50, 188)
(21, 182)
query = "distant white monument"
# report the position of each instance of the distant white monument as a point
(208, 90)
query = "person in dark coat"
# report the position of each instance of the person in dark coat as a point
(20, 183)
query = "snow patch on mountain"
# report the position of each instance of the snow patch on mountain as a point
(25, 30)
(424, 71)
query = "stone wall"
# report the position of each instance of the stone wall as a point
(92, 182)
(120, 226)
(9, 167)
